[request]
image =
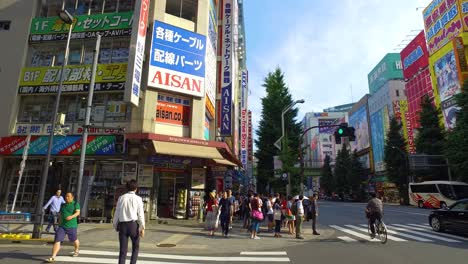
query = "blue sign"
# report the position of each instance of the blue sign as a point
(226, 111)
(378, 139)
(178, 49)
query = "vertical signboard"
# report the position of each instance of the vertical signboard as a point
(250, 145)
(244, 88)
(378, 139)
(244, 139)
(358, 120)
(226, 70)
(442, 22)
(210, 72)
(137, 50)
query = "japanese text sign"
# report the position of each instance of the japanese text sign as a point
(244, 89)
(137, 52)
(250, 137)
(226, 69)
(54, 29)
(109, 77)
(442, 22)
(244, 139)
(415, 56)
(389, 68)
(177, 60)
(226, 111)
(171, 113)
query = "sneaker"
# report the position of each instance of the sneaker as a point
(372, 236)
(316, 233)
(50, 260)
(299, 237)
(256, 237)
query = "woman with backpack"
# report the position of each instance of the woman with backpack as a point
(257, 215)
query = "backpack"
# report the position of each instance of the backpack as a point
(294, 208)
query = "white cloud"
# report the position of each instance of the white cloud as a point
(331, 46)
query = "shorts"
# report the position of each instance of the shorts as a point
(72, 234)
(270, 217)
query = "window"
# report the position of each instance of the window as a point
(126, 5)
(461, 206)
(36, 109)
(70, 6)
(96, 6)
(446, 191)
(117, 109)
(83, 7)
(397, 93)
(110, 6)
(461, 191)
(68, 106)
(51, 7)
(5, 25)
(424, 188)
(120, 50)
(105, 52)
(186, 9)
(75, 54)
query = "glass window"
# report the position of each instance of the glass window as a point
(52, 7)
(105, 52)
(83, 7)
(424, 188)
(42, 57)
(110, 6)
(461, 191)
(186, 102)
(169, 99)
(178, 101)
(88, 53)
(117, 109)
(461, 206)
(186, 9)
(68, 106)
(446, 191)
(70, 6)
(36, 108)
(96, 6)
(126, 5)
(120, 51)
(75, 55)
(161, 97)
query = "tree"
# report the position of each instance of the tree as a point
(457, 139)
(326, 176)
(342, 166)
(395, 158)
(269, 130)
(355, 176)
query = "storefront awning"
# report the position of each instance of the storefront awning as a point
(186, 150)
(224, 162)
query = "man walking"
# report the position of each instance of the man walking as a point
(314, 213)
(129, 221)
(55, 202)
(68, 225)
(226, 206)
(299, 217)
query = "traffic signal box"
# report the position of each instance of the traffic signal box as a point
(344, 131)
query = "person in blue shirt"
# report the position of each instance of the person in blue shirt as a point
(55, 202)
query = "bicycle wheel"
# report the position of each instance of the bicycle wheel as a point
(382, 232)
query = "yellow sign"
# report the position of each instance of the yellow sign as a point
(209, 106)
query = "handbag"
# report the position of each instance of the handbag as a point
(257, 215)
(277, 215)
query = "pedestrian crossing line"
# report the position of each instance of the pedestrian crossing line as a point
(388, 236)
(264, 253)
(191, 258)
(423, 228)
(347, 239)
(174, 239)
(424, 234)
(354, 233)
(108, 260)
(420, 239)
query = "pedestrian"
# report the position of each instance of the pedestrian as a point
(291, 218)
(299, 216)
(211, 213)
(232, 199)
(226, 207)
(277, 209)
(314, 213)
(257, 215)
(129, 221)
(55, 202)
(248, 210)
(270, 212)
(68, 225)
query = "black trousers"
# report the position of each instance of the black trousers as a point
(372, 217)
(225, 219)
(314, 223)
(126, 230)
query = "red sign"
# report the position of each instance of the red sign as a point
(144, 9)
(415, 57)
(171, 113)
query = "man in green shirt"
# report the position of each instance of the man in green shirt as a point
(68, 225)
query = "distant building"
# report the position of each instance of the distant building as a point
(339, 108)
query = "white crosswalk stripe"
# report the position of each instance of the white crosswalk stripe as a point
(397, 233)
(97, 256)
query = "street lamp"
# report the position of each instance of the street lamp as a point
(285, 110)
(67, 18)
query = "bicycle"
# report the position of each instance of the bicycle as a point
(380, 230)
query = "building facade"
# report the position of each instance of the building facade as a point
(155, 115)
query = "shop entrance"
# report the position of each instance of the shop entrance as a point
(172, 196)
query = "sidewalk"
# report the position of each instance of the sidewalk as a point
(173, 236)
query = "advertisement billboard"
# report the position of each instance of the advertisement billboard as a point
(446, 73)
(173, 113)
(84, 27)
(137, 52)
(415, 56)
(389, 68)
(250, 138)
(329, 125)
(403, 111)
(244, 138)
(41, 80)
(378, 139)
(227, 70)
(177, 60)
(244, 88)
(442, 22)
(211, 46)
(358, 120)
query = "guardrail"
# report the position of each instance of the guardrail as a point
(20, 220)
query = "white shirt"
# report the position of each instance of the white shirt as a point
(129, 208)
(300, 208)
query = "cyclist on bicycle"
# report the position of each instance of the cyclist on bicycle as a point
(374, 211)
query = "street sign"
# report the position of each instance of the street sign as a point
(277, 144)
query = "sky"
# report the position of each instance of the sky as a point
(325, 48)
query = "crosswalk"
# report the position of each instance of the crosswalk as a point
(111, 257)
(397, 233)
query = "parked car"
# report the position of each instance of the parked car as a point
(453, 218)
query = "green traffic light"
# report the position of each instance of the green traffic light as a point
(340, 131)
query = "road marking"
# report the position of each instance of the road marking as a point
(388, 236)
(351, 232)
(174, 239)
(347, 239)
(421, 226)
(403, 212)
(434, 232)
(106, 260)
(420, 239)
(192, 258)
(264, 253)
(425, 234)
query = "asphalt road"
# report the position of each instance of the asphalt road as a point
(344, 240)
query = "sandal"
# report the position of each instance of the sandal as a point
(50, 260)
(75, 253)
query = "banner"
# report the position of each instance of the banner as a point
(442, 22)
(250, 138)
(378, 139)
(227, 70)
(389, 68)
(68, 145)
(137, 52)
(329, 125)
(84, 27)
(109, 77)
(211, 60)
(177, 61)
(171, 113)
(415, 56)
(407, 126)
(244, 139)
(358, 120)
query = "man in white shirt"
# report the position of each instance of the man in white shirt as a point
(129, 221)
(55, 202)
(299, 217)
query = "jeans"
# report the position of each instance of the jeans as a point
(299, 220)
(255, 225)
(277, 226)
(53, 220)
(225, 220)
(128, 229)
